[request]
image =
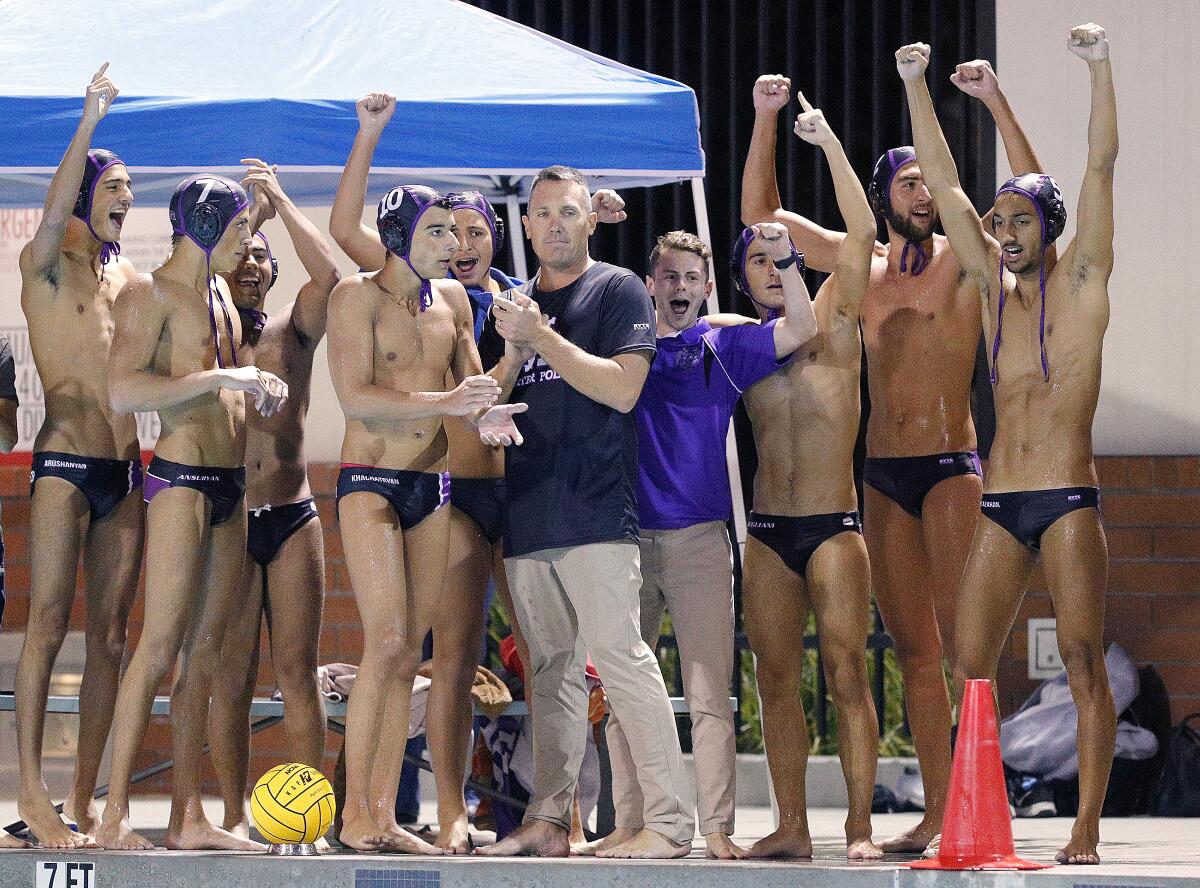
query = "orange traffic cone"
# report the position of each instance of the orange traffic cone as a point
(976, 831)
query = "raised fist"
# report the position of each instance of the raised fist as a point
(976, 79)
(1088, 42)
(374, 110)
(609, 206)
(99, 96)
(810, 123)
(771, 93)
(912, 60)
(774, 237)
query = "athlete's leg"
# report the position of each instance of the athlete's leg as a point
(839, 584)
(993, 585)
(224, 562)
(374, 548)
(58, 521)
(424, 577)
(774, 610)
(232, 692)
(903, 582)
(457, 630)
(948, 520)
(295, 598)
(1075, 557)
(176, 535)
(112, 559)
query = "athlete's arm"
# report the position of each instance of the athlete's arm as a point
(41, 254)
(798, 324)
(760, 187)
(345, 219)
(976, 78)
(615, 382)
(971, 245)
(139, 315)
(853, 266)
(1092, 249)
(312, 302)
(352, 361)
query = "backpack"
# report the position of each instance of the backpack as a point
(1179, 787)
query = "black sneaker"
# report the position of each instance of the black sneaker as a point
(1036, 800)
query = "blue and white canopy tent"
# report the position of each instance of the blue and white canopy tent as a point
(205, 83)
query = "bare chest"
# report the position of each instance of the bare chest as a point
(903, 314)
(408, 344)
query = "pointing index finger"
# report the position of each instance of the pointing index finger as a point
(803, 102)
(100, 73)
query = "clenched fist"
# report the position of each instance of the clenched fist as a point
(912, 60)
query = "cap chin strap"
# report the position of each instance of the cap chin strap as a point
(920, 257)
(1041, 322)
(212, 316)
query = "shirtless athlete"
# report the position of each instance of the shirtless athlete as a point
(175, 351)
(394, 338)
(1045, 323)
(804, 546)
(86, 465)
(284, 577)
(920, 327)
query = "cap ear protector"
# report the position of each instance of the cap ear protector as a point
(203, 206)
(880, 187)
(737, 262)
(474, 200)
(271, 256)
(1043, 192)
(399, 211)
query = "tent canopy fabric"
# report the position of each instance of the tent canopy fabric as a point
(482, 101)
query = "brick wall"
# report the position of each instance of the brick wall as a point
(1151, 512)
(1151, 508)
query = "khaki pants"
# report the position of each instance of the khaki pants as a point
(579, 601)
(689, 572)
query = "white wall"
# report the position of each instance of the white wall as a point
(1150, 398)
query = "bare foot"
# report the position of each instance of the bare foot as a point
(1081, 850)
(362, 834)
(862, 849)
(648, 845)
(322, 845)
(8, 840)
(85, 814)
(46, 826)
(721, 847)
(787, 841)
(534, 838)
(119, 836)
(618, 836)
(915, 840)
(200, 835)
(455, 838)
(400, 841)
(241, 828)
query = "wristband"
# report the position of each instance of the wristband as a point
(797, 257)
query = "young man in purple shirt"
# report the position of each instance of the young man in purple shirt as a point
(683, 497)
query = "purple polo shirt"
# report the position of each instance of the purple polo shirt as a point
(682, 417)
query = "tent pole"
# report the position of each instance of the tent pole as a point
(516, 237)
(731, 454)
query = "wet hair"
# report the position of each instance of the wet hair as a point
(685, 242)
(560, 173)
